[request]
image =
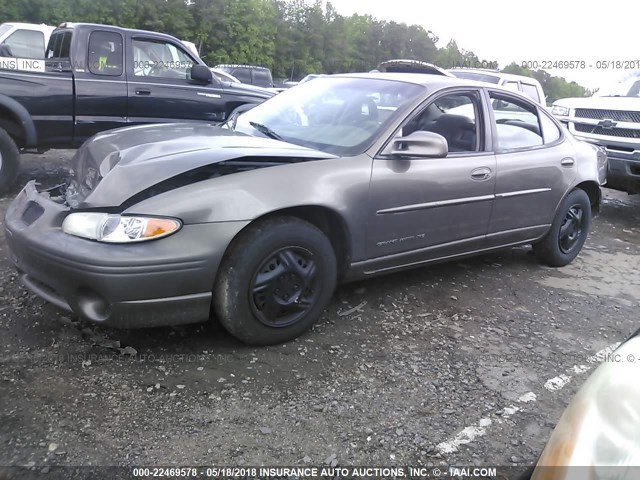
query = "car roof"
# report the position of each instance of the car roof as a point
(32, 26)
(73, 25)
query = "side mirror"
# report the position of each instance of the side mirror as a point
(419, 144)
(201, 74)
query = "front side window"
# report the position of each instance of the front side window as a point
(516, 123)
(26, 44)
(105, 53)
(454, 116)
(160, 59)
(339, 115)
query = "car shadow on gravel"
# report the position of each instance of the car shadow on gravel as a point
(348, 301)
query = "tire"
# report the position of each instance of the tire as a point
(9, 161)
(568, 231)
(263, 308)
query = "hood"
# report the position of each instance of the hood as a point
(248, 89)
(116, 165)
(602, 103)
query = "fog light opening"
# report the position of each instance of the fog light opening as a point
(93, 305)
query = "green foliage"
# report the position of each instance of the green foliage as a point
(292, 37)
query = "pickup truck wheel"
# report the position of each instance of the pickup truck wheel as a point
(9, 161)
(568, 231)
(275, 281)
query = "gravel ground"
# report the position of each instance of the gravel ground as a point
(396, 369)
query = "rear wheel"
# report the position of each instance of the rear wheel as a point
(568, 231)
(275, 281)
(9, 161)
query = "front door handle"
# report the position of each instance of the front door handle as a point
(140, 91)
(568, 162)
(481, 174)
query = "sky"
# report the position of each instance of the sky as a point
(525, 30)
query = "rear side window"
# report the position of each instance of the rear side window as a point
(530, 91)
(516, 123)
(59, 45)
(105, 53)
(550, 131)
(26, 44)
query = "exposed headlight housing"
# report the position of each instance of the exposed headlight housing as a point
(560, 111)
(108, 228)
(601, 426)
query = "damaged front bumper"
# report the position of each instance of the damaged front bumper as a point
(160, 282)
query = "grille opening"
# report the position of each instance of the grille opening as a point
(32, 212)
(615, 115)
(610, 132)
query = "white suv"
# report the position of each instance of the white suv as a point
(24, 40)
(518, 83)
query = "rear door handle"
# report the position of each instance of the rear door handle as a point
(481, 174)
(568, 162)
(140, 91)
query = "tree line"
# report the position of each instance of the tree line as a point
(292, 37)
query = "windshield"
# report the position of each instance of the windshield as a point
(629, 87)
(338, 115)
(480, 77)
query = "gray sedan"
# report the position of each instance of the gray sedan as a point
(342, 178)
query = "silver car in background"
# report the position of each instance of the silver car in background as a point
(341, 178)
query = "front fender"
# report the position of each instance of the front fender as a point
(338, 184)
(24, 118)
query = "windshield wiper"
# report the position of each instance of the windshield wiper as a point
(266, 130)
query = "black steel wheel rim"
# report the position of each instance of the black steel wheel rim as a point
(284, 287)
(571, 229)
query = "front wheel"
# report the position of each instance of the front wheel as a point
(275, 281)
(568, 231)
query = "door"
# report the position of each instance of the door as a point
(534, 169)
(101, 87)
(426, 208)
(158, 88)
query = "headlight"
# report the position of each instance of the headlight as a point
(560, 111)
(105, 227)
(601, 426)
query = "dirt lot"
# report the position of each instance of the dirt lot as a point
(456, 364)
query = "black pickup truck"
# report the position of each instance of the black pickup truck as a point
(98, 77)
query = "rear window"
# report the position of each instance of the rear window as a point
(262, 78)
(530, 91)
(242, 74)
(59, 45)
